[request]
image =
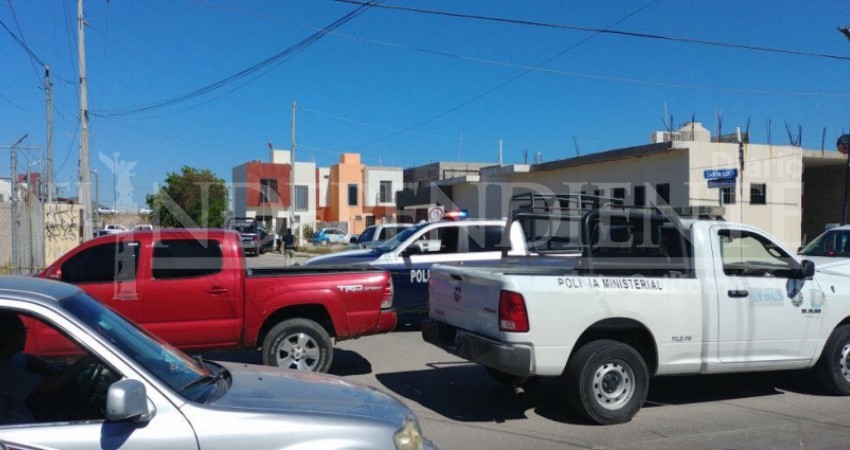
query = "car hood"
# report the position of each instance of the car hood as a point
(273, 389)
(830, 264)
(346, 257)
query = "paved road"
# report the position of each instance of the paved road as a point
(461, 408)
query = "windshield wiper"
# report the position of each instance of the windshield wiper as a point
(204, 379)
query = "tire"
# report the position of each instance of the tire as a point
(607, 381)
(833, 369)
(298, 344)
(326, 242)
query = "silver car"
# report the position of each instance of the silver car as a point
(134, 391)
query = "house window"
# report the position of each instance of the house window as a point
(352, 195)
(386, 192)
(640, 195)
(301, 198)
(727, 196)
(268, 190)
(758, 194)
(620, 195)
(663, 192)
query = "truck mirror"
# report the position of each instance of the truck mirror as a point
(807, 269)
(127, 400)
(412, 249)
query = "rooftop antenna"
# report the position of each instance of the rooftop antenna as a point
(794, 141)
(525, 156)
(823, 141)
(693, 127)
(718, 114)
(668, 127)
(769, 126)
(500, 152)
(575, 143)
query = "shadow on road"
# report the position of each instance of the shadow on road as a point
(345, 362)
(465, 392)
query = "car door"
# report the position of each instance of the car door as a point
(766, 313)
(74, 418)
(192, 298)
(448, 242)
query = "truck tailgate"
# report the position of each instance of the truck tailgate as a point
(466, 297)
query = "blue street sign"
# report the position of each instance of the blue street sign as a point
(712, 174)
(721, 183)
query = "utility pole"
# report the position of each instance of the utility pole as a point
(96, 188)
(49, 97)
(83, 190)
(292, 180)
(15, 205)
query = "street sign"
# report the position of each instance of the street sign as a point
(721, 183)
(713, 174)
(435, 214)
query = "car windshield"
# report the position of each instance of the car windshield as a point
(166, 363)
(391, 244)
(831, 243)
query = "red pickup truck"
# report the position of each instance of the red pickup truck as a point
(192, 289)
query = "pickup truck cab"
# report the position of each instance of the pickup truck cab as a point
(134, 391)
(410, 254)
(641, 293)
(192, 289)
(375, 235)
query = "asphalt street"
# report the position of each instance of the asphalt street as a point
(460, 407)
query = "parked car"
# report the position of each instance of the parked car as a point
(191, 288)
(142, 227)
(136, 391)
(830, 251)
(255, 239)
(145, 211)
(104, 211)
(328, 236)
(111, 228)
(376, 235)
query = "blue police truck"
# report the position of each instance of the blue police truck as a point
(410, 254)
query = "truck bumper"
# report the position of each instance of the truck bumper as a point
(387, 321)
(513, 359)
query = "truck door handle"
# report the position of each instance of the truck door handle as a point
(738, 294)
(218, 290)
(126, 296)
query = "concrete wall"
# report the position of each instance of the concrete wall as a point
(61, 230)
(372, 178)
(780, 168)
(305, 175)
(324, 174)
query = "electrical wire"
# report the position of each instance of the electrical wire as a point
(608, 31)
(272, 61)
(24, 44)
(507, 82)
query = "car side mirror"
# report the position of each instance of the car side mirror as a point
(413, 249)
(353, 240)
(127, 400)
(807, 269)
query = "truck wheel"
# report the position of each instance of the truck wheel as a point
(299, 344)
(833, 368)
(607, 381)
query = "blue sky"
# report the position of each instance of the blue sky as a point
(406, 88)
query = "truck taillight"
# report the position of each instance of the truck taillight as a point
(512, 313)
(387, 302)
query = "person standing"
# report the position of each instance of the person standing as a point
(288, 240)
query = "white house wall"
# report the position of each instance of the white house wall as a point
(372, 179)
(780, 168)
(324, 182)
(305, 175)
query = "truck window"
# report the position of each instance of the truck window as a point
(186, 258)
(749, 254)
(107, 263)
(484, 239)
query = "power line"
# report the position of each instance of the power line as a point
(608, 31)
(278, 58)
(520, 66)
(509, 81)
(23, 41)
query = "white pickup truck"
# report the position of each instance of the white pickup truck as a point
(642, 293)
